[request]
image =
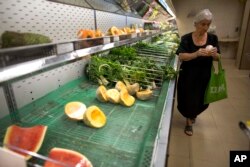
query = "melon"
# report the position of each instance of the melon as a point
(120, 85)
(98, 33)
(144, 94)
(61, 157)
(132, 89)
(113, 96)
(75, 110)
(114, 31)
(101, 94)
(126, 99)
(83, 34)
(27, 138)
(94, 117)
(141, 30)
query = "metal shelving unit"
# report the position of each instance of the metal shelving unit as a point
(65, 52)
(29, 73)
(45, 56)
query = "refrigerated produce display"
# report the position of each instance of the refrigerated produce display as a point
(99, 100)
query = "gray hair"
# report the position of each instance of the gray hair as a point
(204, 14)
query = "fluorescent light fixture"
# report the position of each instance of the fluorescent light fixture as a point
(165, 5)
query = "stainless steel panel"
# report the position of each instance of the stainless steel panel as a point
(162, 141)
(106, 20)
(21, 69)
(104, 5)
(133, 20)
(58, 21)
(4, 110)
(80, 3)
(32, 88)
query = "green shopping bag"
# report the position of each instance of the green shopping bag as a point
(217, 87)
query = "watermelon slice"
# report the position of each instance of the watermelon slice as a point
(27, 138)
(63, 157)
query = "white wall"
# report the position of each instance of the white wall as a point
(227, 20)
(60, 22)
(227, 15)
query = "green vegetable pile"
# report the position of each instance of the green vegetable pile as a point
(124, 63)
(14, 39)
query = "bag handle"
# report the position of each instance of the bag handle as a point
(219, 63)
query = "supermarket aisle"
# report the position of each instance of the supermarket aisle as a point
(216, 131)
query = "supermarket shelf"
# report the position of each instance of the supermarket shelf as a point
(161, 144)
(48, 55)
(133, 136)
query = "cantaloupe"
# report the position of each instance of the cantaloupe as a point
(120, 85)
(62, 157)
(114, 31)
(144, 95)
(26, 138)
(98, 33)
(141, 30)
(94, 117)
(127, 30)
(82, 34)
(101, 94)
(75, 110)
(113, 95)
(132, 89)
(126, 99)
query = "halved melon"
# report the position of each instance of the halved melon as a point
(94, 117)
(98, 33)
(120, 85)
(75, 110)
(86, 34)
(141, 30)
(126, 99)
(26, 138)
(132, 89)
(64, 157)
(132, 30)
(101, 94)
(121, 32)
(127, 30)
(114, 31)
(113, 95)
(144, 95)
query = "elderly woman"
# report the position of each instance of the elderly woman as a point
(196, 52)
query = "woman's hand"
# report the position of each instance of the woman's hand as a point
(207, 52)
(213, 52)
(202, 52)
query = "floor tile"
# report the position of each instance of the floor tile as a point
(176, 161)
(206, 150)
(179, 146)
(212, 163)
(232, 134)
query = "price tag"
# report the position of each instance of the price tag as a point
(133, 35)
(9, 158)
(65, 48)
(106, 40)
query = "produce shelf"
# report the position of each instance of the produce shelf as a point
(132, 137)
(126, 140)
(33, 58)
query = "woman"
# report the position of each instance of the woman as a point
(196, 62)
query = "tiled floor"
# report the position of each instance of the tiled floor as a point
(216, 130)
